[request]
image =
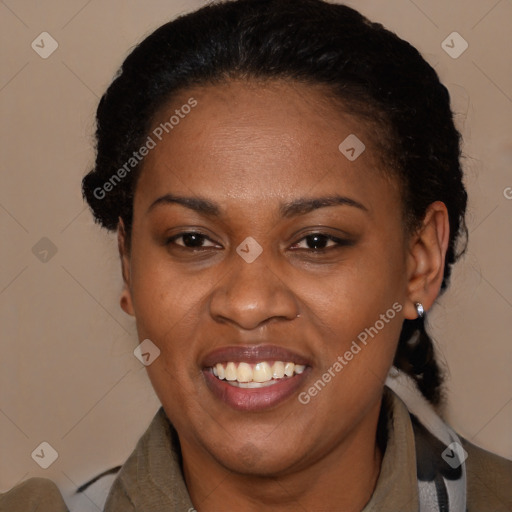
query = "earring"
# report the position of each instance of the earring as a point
(419, 309)
(394, 372)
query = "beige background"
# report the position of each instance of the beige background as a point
(68, 375)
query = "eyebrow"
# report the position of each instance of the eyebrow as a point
(305, 205)
(293, 208)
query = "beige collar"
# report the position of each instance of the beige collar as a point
(151, 478)
(397, 485)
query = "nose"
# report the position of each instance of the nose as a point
(251, 294)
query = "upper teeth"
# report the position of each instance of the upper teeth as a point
(260, 372)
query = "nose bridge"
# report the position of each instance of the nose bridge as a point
(251, 293)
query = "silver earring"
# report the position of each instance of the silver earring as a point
(394, 372)
(419, 309)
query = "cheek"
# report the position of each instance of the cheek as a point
(168, 305)
(358, 313)
(167, 301)
(357, 340)
(358, 291)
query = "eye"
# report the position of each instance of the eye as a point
(320, 241)
(190, 240)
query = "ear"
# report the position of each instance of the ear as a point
(425, 259)
(126, 297)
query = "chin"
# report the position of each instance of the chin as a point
(257, 459)
(250, 462)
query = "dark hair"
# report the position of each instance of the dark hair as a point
(366, 68)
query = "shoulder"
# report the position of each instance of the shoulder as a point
(135, 480)
(152, 478)
(118, 498)
(33, 494)
(489, 480)
(126, 484)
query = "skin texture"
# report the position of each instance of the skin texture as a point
(250, 147)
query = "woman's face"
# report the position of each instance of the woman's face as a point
(297, 255)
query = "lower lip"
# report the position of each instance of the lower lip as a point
(253, 399)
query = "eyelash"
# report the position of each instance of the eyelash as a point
(340, 242)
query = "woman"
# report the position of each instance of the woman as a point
(285, 183)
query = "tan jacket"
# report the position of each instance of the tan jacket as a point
(151, 479)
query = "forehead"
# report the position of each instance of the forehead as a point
(258, 141)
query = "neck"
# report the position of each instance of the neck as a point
(343, 479)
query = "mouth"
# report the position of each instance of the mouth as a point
(259, 375)
(254, 378)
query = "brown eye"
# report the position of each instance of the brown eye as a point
(190, 240)
(320, 241)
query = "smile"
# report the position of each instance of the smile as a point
(254, 378)
(262, 374)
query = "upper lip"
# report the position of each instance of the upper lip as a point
(252, 354)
